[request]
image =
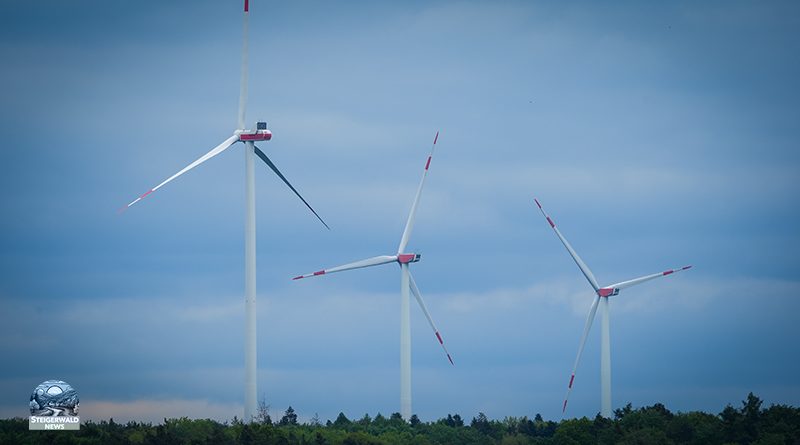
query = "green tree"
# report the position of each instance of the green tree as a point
(645, 436)
(341, 422)
(751, 416)
(781, 420)
(380, 422)
(575, 432)
(361, 438)
(396, 420)
(605, 430)
(289, 417)
(365, 421)
(732, 425)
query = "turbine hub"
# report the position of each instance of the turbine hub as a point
(405, 258)
(608, 292)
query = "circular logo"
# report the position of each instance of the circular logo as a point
(54, 398)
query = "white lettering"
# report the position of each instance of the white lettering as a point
(58, 419)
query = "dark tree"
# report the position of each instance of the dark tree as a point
(380, 421)
(619, 414)
(289, 417)
(751, 416)
(341, 421)
(481, 423)
(449, 421)
(396, 420)
(732, 424)
(365, 421)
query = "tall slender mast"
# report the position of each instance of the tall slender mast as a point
(405, 344)
(605, 360)
(250, 354)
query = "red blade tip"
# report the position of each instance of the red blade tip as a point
(451, 359)
(436, 138)
(298, 277)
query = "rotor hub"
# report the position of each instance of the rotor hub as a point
(405, 258)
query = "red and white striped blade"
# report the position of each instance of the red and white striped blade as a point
(584, 268)
(639, 280)
(418, 296)
(374, 261)
(413, 213)
(586, 328)
(214, 151)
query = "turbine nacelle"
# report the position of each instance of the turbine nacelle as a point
(405, 258)
(259, 134)
(607, 292)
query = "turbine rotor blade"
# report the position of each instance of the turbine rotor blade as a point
(640, 280)
(413, 212)
(418, 296)
(584, 268)
(243, 82)
(214, 151)
(283, 178)
(586, 328)
(374, 261)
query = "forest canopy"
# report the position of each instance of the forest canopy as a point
(749, 423)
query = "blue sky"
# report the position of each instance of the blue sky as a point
(656, 135)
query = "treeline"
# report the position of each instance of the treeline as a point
(749, 424)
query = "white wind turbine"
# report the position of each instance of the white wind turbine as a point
(602, 300)
(406, 284)
(248, 137)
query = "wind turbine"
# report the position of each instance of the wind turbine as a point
(249, 138)
(407, 284)
(602, 300)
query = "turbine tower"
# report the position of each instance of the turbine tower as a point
(600, 300)
(249, 138)
(407, 284)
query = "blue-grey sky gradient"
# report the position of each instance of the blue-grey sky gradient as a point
(655, 134)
